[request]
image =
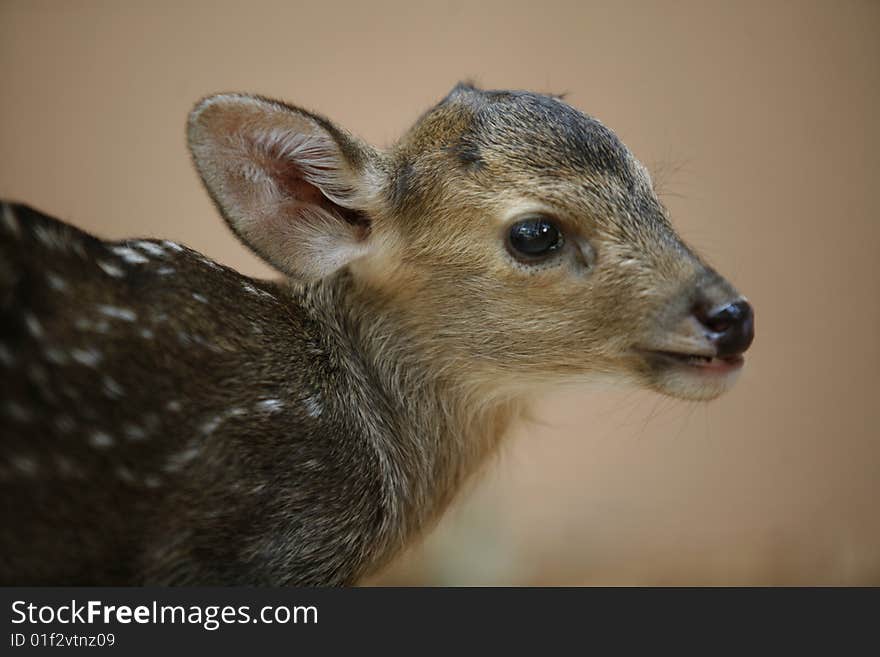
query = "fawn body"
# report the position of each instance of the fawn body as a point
(168, 420)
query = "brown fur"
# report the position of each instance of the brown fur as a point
(175, 422)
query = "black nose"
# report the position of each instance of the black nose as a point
(731, 327)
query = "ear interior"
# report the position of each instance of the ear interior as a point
(293, 187)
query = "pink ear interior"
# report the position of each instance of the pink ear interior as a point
(282, 182)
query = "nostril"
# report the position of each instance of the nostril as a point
(721, 319)
(731, 326)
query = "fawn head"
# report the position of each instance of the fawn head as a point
(516, 238)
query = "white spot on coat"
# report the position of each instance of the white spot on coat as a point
(150, 247)
(33, 325)
(87, 357)
(270, 405)
(78, 248)
(83, 324)
(172, 245)
(64, 423)
(124, 474)
(56, 282)
(25, 465)
(50, 237)
(199, 297)
(111, 388)
(9, 220)
(116, 312)
(133, 432)
(109, 269)
(6, 356)
(210, 263)
(101, 440)
(178, 461)
(129, 255)
(16, 411)
(55, 355)
(164, 271)
(313, 406)
(251, 289)
(211, 425)
(173, 406)
(147, 334)
(152, 481)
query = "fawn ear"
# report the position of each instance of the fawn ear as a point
(295, 189)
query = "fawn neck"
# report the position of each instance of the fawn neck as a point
(431, 427)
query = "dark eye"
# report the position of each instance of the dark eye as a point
(536, 237)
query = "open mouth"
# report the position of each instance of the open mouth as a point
(699, 362)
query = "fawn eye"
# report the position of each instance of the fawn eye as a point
(535, 237)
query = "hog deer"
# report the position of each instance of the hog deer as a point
(167, 420)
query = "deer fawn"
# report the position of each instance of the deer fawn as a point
(167, 420)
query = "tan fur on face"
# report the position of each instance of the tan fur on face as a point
(447, 269)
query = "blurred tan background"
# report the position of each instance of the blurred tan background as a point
(760, 118)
